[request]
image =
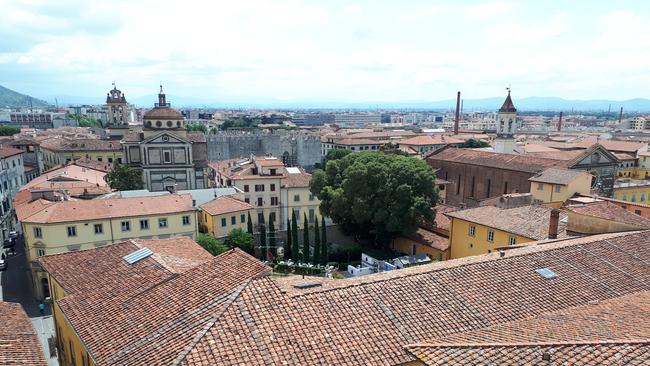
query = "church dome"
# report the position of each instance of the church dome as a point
(163, 116)
(163, 113)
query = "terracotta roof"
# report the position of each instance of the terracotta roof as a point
(236, 169)
(524, 163)
(231, 311)
(442, 221)
(64, 144)
(19, 344)
(350, 141)
(268, 162)
(297, 180)
(430, 140)
(534, 148)
(104, 270)
(430, 239)
(612, 145)
(159, 319)
(609, 211)
(196, 137)
(583, 335)
(94, 164)
(623, 156)
(73, 211)
(557, 155)
(557, 176)
(508, 106)
(6, 152)
(528, 221)
(224, 205)
(379, 135)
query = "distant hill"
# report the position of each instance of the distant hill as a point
(12, 99)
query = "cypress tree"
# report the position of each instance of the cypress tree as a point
(295, 249)
(272, 241)
(317, 249)
(305, 240)
(263, 242)
(287, 243)
(249, 224)
(324, 249)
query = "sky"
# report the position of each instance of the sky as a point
(328, 50)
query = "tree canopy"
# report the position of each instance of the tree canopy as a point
(376, 195)
(124, 178)
(242, 240)
(211, 244)
(196, 127)
(8, 130)
(473, 144)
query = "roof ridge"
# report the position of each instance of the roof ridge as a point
(528, 344)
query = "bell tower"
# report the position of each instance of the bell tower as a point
(506, 127)
(118, 110)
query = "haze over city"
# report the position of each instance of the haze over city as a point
(314, 52)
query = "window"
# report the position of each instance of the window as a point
(119, 160)
(246, 189)
(38, 233)
(233, 220)
(223, 222)
(162, 223)
(274, 201)
(40, 252)
(512, 240)
(259, 188)
(296, 198)
(312, 215)
(72, 231)
(490, 236)
(273, 171)
(272, 187)
(144, 224)
(186, 220)
(110, 160)
(126, 225)
(558, 188)
(242, 218)
(167, 156)
(472, 230)
(99, 228)
(312, 197)
(260, 202)
(99, 158)
(638, 212)
(540, 186)
(247, 200)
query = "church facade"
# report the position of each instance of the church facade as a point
(170, 157)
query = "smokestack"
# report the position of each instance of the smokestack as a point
(620, 116)
(559, 123)
(553, 223)
(457, 120)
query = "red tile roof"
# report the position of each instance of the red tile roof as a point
(224, 204)
(64, 144)
(430, 140)
(524, 163)
(582, 335)
(557, 176)
(19, 344)
(430, 239)
(231, 311)
(6, 152)
(609, 211)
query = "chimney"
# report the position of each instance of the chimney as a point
(457, 120)
(620, 116)
(559, 123)
(553, 223)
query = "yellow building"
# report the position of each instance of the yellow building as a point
(431, 239)
(555, 186)
(63, 226)
(76, 274)
(60, 150)
(599, 217)
(219, 216)
(482, 230)
(632, 191)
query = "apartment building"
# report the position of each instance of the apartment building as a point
(12, 177)
(59, 151)
(271, 188)
(51, 227)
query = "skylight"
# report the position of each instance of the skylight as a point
(138, 255)
(546, 273)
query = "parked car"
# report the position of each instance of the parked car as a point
(3, 264)
(10, 243)
(13, 234)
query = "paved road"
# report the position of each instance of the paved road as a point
(15, 287)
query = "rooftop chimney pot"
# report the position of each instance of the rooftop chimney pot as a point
(553, 223)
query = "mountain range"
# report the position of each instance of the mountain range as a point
(13, 99)
(10, 98)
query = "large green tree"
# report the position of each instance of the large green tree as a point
(317, 245)
(376, 195)
(211, 244)
(305, 240)
(295, 249)
(472, 143)
(287, 243)
(324, 245)
(124, 178)
(242, 240)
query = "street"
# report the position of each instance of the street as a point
(15, 287)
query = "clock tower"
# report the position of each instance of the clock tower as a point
(506, 127)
